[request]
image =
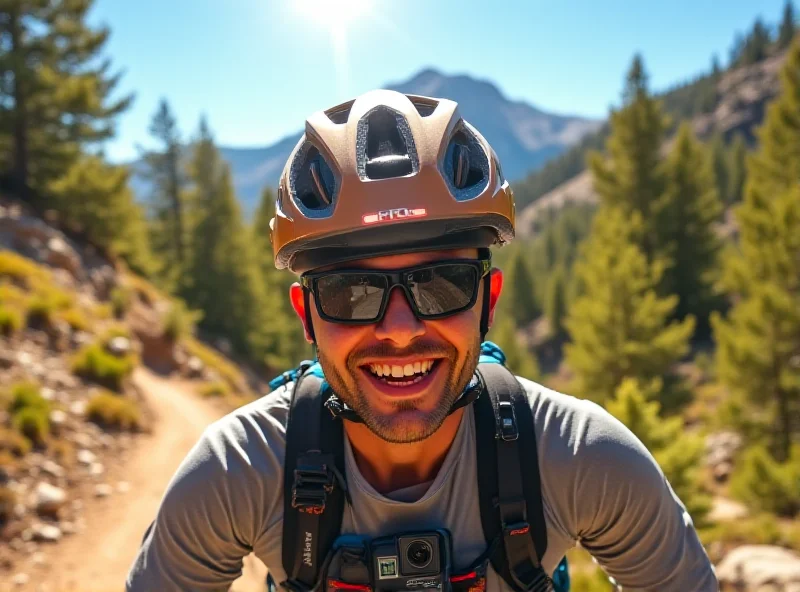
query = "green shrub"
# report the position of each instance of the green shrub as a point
(10, 321)
(762, 529)
(26, 395)
(121, 299)
(765, 484)
(113, 411)
(12, 296)
(75, 319)
(21, 270)
(33, 423)
(214, 389)
(40, 312)
(180, 321)
(13, 442)
(8, 499)
(229, 372)
(94, 363)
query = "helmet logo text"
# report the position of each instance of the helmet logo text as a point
(395, 214)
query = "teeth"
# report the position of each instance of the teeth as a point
(397, 372)
(386, 370)
(408, 369)
(417, 367)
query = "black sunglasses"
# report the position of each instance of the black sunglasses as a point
(360, 296)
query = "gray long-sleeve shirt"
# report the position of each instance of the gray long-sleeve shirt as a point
(600, 487)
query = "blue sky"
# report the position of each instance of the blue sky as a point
(257, 68)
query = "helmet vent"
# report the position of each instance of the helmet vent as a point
(340, 113)
(424, 107)
(385, 146)
(466, 165)
(314, 184)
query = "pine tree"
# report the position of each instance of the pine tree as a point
(556, 303)
(632, 176)
(688, 212)
(168, 201)
(788, 26)
(521, 299)
(737, 170)
(55, 90)
(226, 284)
(719, 162)
(759, 344)
(95, 199)
(288, 343)
(756, 44)
(619, 326)
(521, 361)
(679, 455)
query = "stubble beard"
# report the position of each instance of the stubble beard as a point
(406, 423)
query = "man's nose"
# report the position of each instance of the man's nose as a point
(399, 324)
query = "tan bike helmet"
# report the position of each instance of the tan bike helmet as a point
(388, 173)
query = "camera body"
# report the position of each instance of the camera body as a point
(413, 561)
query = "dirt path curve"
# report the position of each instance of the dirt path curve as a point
(98, 559)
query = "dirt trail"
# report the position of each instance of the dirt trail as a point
(98, 559)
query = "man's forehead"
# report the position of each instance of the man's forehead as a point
(407, 259)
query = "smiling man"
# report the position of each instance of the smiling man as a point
(436, 468)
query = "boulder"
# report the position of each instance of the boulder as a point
(103, 490)
(760, 567)
(46, 532)
(49, 499)
(86, 457)
(119, 346)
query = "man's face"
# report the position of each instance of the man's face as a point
(379, 370)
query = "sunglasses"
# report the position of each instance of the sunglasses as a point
(360, 296)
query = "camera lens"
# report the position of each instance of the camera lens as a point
(419, 554)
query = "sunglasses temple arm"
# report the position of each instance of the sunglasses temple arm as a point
(309, 324)
(485, 307)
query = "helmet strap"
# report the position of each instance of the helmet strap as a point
(487, 282)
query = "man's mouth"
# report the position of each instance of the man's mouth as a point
(401, 375)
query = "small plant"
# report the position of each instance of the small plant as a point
(765, 484)
(121, 299)
(75, 319)
(180, 321)
(94, 363)
(20, 270)
(214, 389)
(40, 312)
(10, 321)
(33, 423)
(113, 411)
(26, 394)
(63, 452)
(211, 359)
(12, 442)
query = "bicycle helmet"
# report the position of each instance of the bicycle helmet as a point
(388, 173)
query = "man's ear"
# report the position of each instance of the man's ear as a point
(495, 288)
(298, 300)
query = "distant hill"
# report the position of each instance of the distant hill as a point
(742, 97)
(523, 136)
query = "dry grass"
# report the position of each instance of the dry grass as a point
(114, 411)
(227, 370)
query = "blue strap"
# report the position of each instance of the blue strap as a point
(561, 577)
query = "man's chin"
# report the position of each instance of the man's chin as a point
(403, 426)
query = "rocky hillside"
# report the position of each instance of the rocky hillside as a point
(74, 328)
(744, 94)
(523, 136)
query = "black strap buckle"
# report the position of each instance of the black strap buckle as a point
(508, 421)
(313, 481)
(516, 529)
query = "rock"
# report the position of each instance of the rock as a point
(60, 334)
(123, 487)
(103, 490)
(67, 528)
(38, 558)
(17, 544)
(77, 505)
(58, 417)
(19, 511)
(86, 457)
(7, 360)
(80, 338)
(103, 279)
(759, 567)
(4, 476)
(60, 254)
(106, 441)
(119, 346)
(49, 499)
(47, 393)
(722, 471)
(195, 367)
(27, 535)
(20, 579)
(96, 469)
(24, 358)
(46, 532)
(78, 408)
(61, 379)
(52, 468)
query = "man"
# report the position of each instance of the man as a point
(394, 191)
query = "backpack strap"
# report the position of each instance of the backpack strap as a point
(508, 480)
(314, 484)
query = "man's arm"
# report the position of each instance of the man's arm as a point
(614, 499)
(214, 509)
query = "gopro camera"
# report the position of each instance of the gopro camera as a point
(413, 561)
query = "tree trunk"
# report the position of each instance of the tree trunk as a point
(784, 425)
(20, 115)
(177, 210)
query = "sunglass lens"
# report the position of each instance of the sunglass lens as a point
(350, 296)
(443, 288)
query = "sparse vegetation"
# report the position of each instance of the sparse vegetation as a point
(12, 442)
(113, 411)
(121, 300)
(180, 321)
(20, 270)
(8, 499)
(33, 423)
(214, 389)
(76, 319)
(228, 371)
(10, 321)
(94, 363)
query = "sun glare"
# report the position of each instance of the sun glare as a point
(334, 14)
